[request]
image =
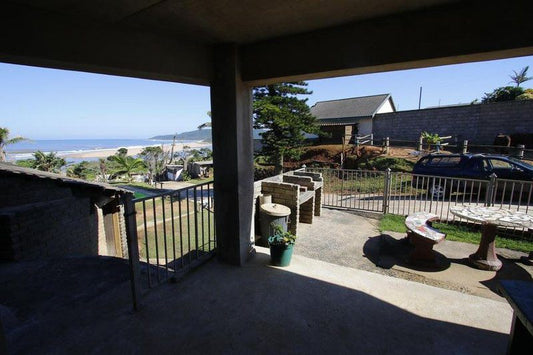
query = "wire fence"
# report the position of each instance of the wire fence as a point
(405, 193)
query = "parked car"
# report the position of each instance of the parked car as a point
(471, 167)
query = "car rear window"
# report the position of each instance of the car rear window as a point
(444, 161)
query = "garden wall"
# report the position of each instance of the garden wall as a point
(479, 124)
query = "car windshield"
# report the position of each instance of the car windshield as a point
(521, 163)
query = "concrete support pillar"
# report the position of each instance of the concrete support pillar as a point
(231, 112)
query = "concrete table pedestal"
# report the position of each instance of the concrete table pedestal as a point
(485, 257)
(491, 217)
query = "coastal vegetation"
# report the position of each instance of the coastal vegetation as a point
(49, 162)
(6, 140)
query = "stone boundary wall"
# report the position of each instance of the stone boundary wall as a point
(479, 124)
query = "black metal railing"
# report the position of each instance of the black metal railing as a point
(404, 193)
(176, 232)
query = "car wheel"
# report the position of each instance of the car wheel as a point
(437, 191)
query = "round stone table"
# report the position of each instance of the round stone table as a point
(491, 217)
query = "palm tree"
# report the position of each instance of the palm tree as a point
(48, 162)
(520, 77)
(5, 140)
(126, 165)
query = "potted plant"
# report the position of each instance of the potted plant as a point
(281, 244)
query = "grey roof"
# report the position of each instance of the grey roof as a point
(346, 111)
(11, 169)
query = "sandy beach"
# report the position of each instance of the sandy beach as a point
(103, 153)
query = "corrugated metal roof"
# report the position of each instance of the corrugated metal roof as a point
(352, 108)
(11, 169)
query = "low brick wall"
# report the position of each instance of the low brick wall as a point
(479, 124)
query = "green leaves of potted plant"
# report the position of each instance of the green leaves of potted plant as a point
(281, 245)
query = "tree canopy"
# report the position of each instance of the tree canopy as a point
(506, 93)
(520, 76)
(47, 162)
(154, 159)
(286, 118)
(5, 140)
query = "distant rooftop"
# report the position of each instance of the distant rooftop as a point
(11, 169)
(349, 109)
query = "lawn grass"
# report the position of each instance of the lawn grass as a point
(185, 225)
(459, 233)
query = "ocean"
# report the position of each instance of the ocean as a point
(24, 149)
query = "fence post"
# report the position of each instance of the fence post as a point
(304, 167)
(489, 194)
(521, 149)
(386, 191)
(357, 141)
(371, 138)
(387, 145)
(465, 146)
(133, 249)
(420, 143)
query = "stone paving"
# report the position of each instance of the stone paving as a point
(351, 240)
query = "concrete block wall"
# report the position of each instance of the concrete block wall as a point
(479, 124)
(285, 194)
(40, 218)
(65, 227)
(19, 190)
(307, 211)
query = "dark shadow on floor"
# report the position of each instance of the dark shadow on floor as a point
(226, 309)
(385, 252)
(510, 270)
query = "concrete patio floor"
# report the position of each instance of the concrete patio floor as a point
(311, 306)
(353, 240)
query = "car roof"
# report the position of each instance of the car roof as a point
(468, 155)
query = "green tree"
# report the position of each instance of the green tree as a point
(5, 140)
(102, 166)
(81, 170)
(126, 165)
(154, 159)
(506, 93)
(122, 152)
(527, 95)
(286, 118)
(520, 77)
(48, 162)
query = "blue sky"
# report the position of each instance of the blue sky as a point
(54, 104)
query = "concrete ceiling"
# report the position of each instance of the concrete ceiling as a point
(275, 40)
(232, 21)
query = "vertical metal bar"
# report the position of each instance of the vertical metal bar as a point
(342, 186)
(386, 182)
(402, 193)
(156, 241)
(133, 249)
(503, 193)
(146, 244)
(188, 227)
(529, 197)
(165, 233)
(181, 230)
(196, 220)
(202, 214)
(520, 196)
(209, 215)
(172, 216)
(511, 196)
